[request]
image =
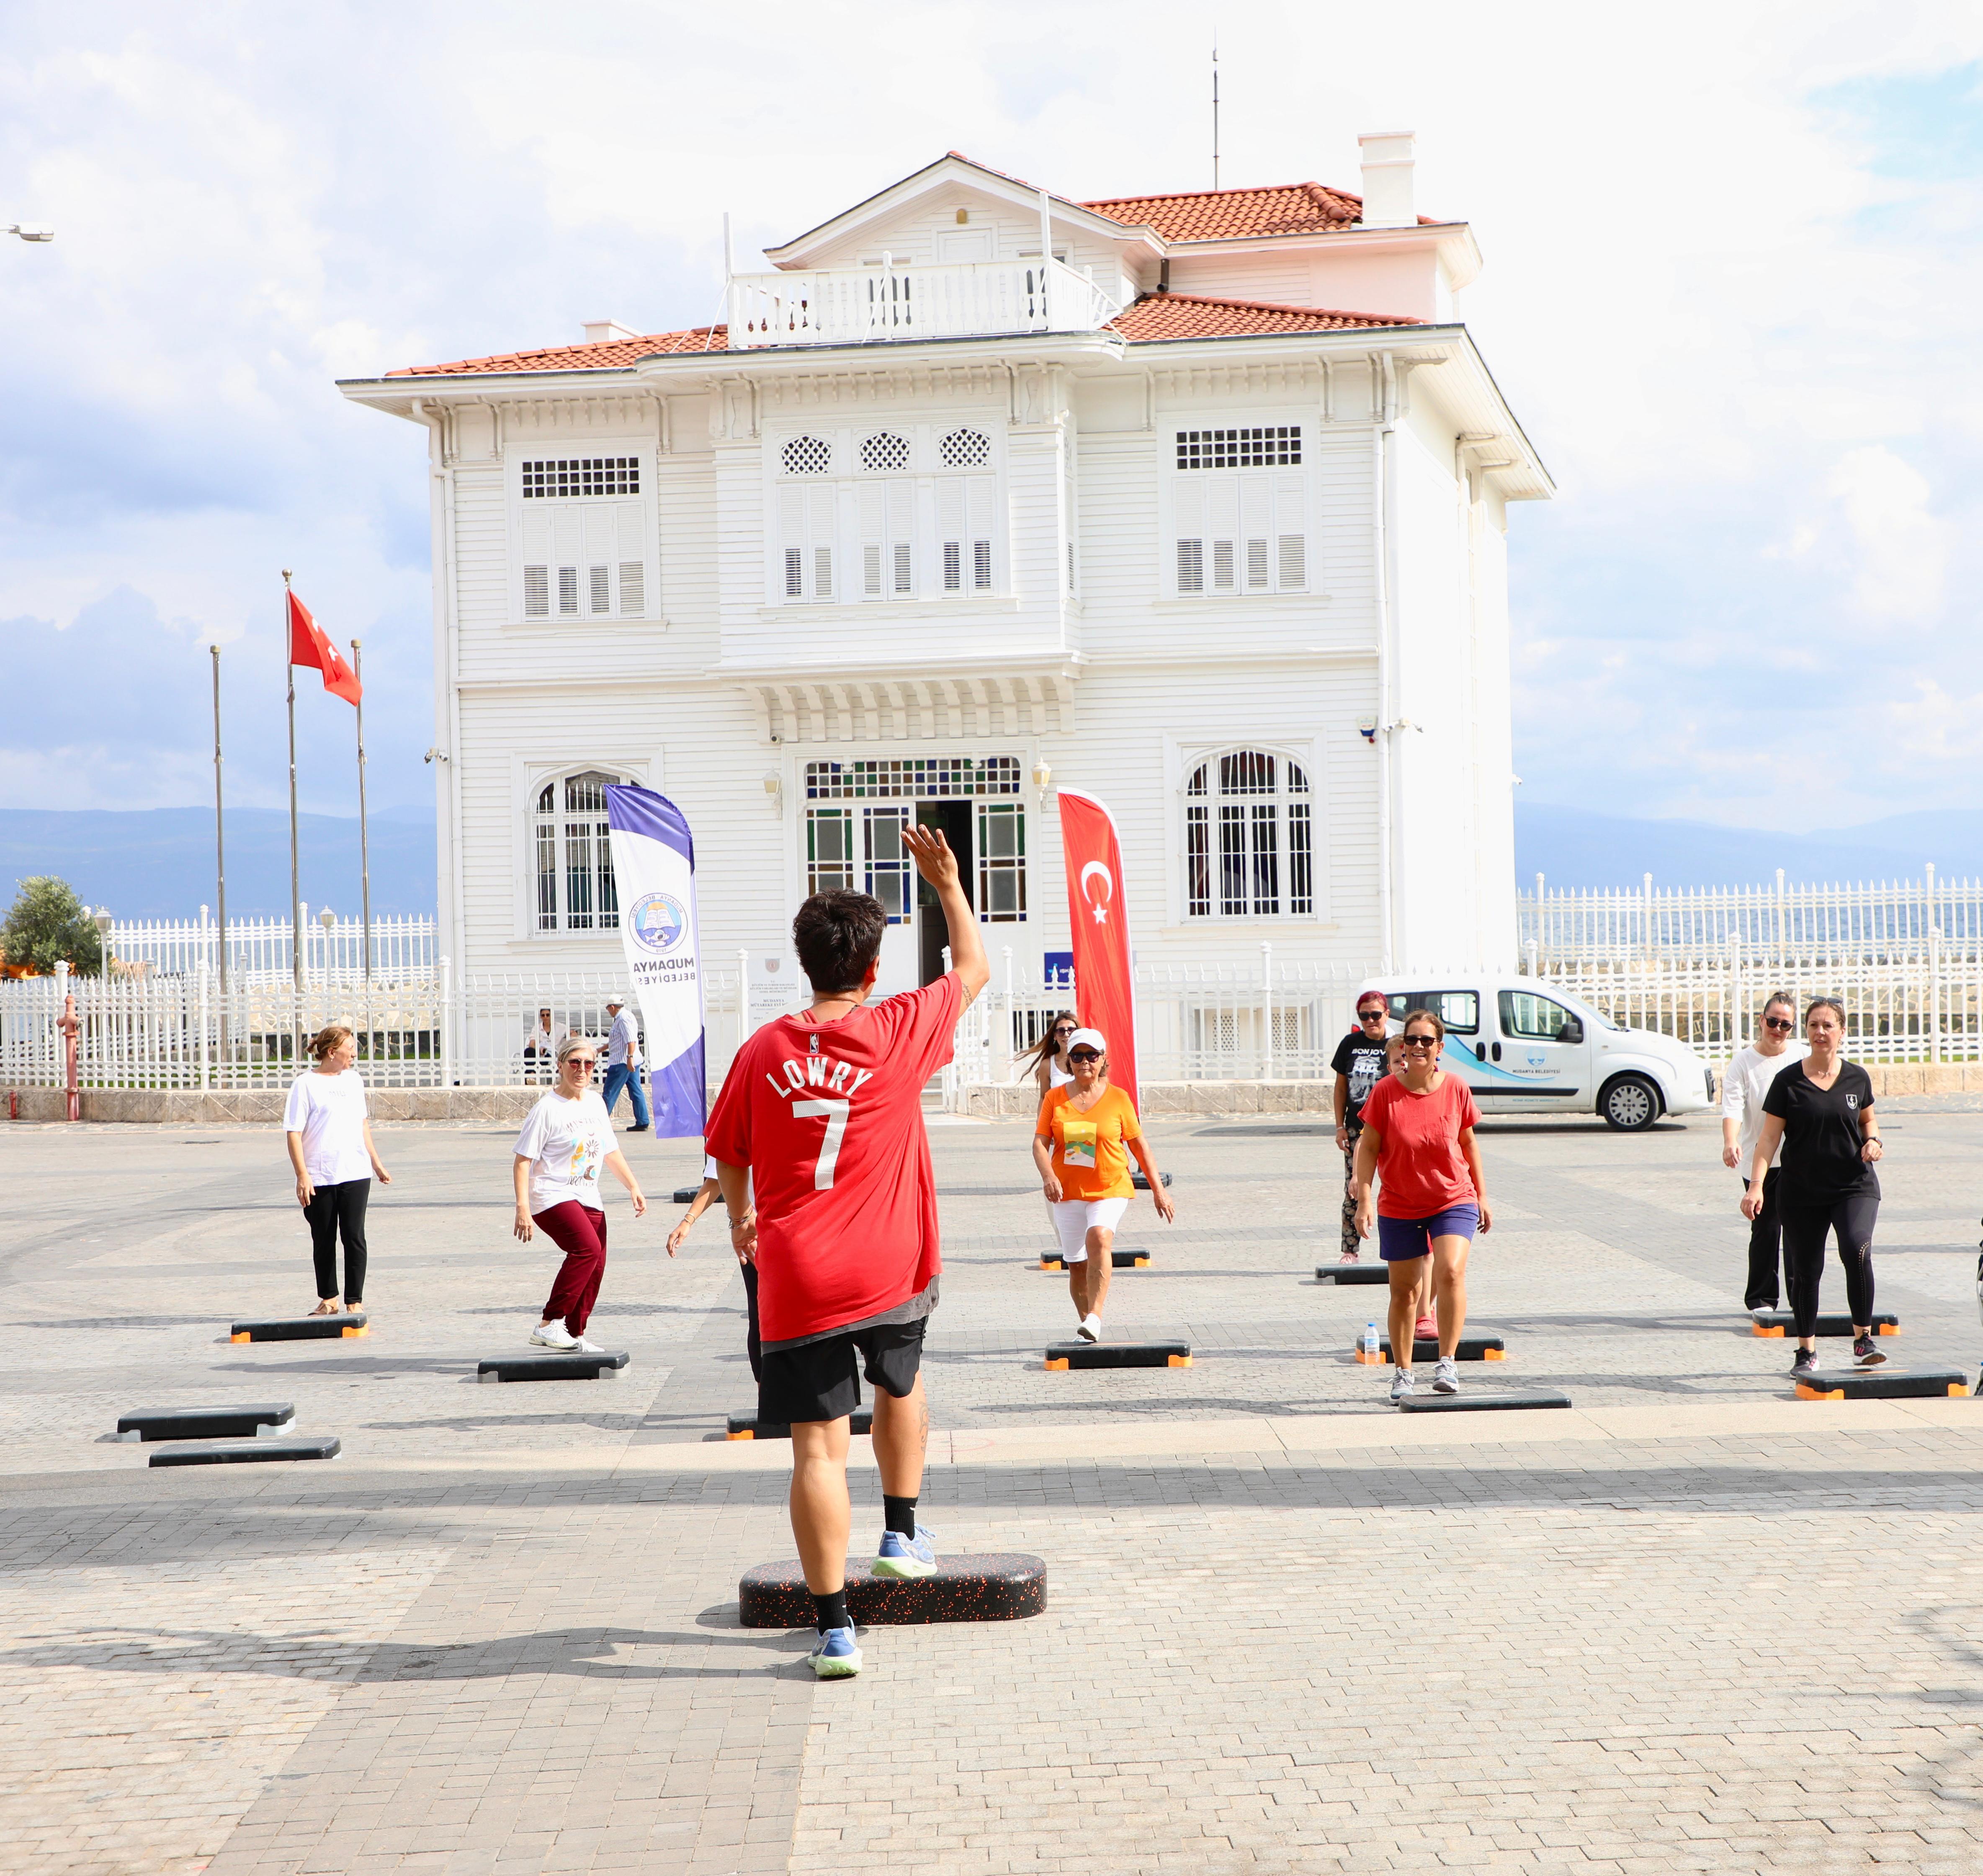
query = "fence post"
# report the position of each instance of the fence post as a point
(1266, 1012)
(1011, 1028)
(1934, 972)
(743, 998)
(446, 1025)
(205, 1080)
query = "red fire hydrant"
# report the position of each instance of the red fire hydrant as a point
(71, 1026)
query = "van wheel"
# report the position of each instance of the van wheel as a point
(1631, 1103)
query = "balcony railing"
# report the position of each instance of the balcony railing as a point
(862, 306)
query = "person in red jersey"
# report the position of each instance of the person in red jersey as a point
(822, 1112)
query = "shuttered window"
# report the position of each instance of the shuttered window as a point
(1239, 529)
(888, 537)
(805, 536)
(583, 545)
(964, 507)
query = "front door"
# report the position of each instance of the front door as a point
(954, 819)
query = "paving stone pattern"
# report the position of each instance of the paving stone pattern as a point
(499, 1633)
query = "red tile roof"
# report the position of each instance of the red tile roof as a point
(1228, 214)
(1159, 316)
(619, 353)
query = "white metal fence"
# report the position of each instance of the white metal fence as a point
(1904, 956)
(258, 950)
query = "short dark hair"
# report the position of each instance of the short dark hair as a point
(839, 936)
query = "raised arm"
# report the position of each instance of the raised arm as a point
(938, 864)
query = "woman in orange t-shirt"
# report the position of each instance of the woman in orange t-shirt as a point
(1081, 1144)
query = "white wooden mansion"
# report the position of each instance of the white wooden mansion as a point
(1196, 502)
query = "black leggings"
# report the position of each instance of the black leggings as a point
(1805, 1228)
(334, 1211)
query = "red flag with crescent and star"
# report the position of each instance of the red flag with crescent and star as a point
(310, 645)
(1104, 985)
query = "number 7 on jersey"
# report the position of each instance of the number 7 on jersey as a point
(835, 1112)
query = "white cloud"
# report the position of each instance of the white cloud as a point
(1902, 548)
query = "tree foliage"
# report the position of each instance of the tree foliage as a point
(48, 925)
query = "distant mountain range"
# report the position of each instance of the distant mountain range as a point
(1570, 847)
(159, 863)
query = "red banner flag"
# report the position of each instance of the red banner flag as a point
(1099, 917)
(308, 645)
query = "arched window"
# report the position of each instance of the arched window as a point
(1249, 843)
(576, 890)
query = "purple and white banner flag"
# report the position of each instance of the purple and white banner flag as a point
(654, 866)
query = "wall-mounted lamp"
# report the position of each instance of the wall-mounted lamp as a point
(1042, 775)
(774, 787)
(1366, 728)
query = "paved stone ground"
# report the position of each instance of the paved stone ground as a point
(1692, 1626)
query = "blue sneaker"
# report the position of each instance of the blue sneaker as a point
(838, 1657)
(907, 1556)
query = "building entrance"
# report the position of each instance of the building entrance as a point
(954, 818)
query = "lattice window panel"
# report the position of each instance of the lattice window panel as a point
(574, 476)
(1270, 446)
(918, 778)
(964, 448)
(884, 453)
(807, 455)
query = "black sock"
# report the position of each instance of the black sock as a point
(831, 1610)
(898, 1515)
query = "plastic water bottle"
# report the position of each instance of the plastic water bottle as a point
(1370, 1342)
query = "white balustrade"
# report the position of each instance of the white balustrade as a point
(861, 306)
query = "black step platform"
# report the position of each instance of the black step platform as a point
(1118, 1260)
(1142, 1184)
(1881, 1383)
(1352, 1273)
(685, 1195)
(551, 1366)
(1482, 1400)
(1781, 1322)
(248, 1452)
(301, 1328)
(748, 1426)
(1118, 1355)
(244, 1422)
(1001, 1587)
(1425, 1348)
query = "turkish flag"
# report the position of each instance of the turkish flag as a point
(1103, 984)
(308, 645)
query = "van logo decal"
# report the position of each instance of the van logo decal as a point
(1539, 1061)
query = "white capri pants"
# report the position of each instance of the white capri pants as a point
(1075, 1218)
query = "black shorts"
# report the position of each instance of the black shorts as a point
(821, 1380)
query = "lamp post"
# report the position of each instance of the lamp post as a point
(327, 919)
(102, 921)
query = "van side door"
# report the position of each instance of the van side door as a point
(1542, 1049)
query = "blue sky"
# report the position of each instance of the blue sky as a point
(1733, 277)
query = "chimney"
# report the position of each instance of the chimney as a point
(604, 331)
(1387, 179)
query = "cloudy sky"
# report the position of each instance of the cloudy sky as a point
(1733, 283)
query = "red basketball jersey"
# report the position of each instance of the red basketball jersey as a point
(828, 1117)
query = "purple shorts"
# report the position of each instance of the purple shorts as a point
(1400, 1239)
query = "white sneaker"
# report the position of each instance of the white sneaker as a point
(1091, 1328)
(553, 1335)
(1446, 1376)
(1402, 1385)
(584, 1345)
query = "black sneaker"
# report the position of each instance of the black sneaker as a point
(1866, 1352)
(1806, 1360)
(639, 1126)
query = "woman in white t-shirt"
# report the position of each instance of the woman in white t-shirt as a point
(329, 1137)
(567, 1139)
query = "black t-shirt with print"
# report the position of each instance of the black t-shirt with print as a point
(1821, 1134)
(1362, 1060)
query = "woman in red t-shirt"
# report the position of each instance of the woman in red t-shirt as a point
(1418, 1140)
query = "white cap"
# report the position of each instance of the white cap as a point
(1089, 1038)
(615, 1001)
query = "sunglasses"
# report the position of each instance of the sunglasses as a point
(1374, 1015)
(1064, 1029)
(579, 1061)
(1082, 1054)
(1779, 1023)
(1422, 1042)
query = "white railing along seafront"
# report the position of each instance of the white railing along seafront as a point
(891, 300)
(1906, 957)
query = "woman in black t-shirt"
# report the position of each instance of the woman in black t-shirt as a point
(1821, 1110)
(1359, 1063)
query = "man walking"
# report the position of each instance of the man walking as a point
(823, 1111)
(623, 1064)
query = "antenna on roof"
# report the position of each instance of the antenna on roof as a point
(1214, 110)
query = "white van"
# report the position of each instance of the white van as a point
(1525, 1047)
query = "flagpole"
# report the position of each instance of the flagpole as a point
(364, 843)
(296, 877)
(219, 832)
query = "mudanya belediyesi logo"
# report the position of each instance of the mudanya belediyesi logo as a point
(659, 920)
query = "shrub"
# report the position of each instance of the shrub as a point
(48, 925)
